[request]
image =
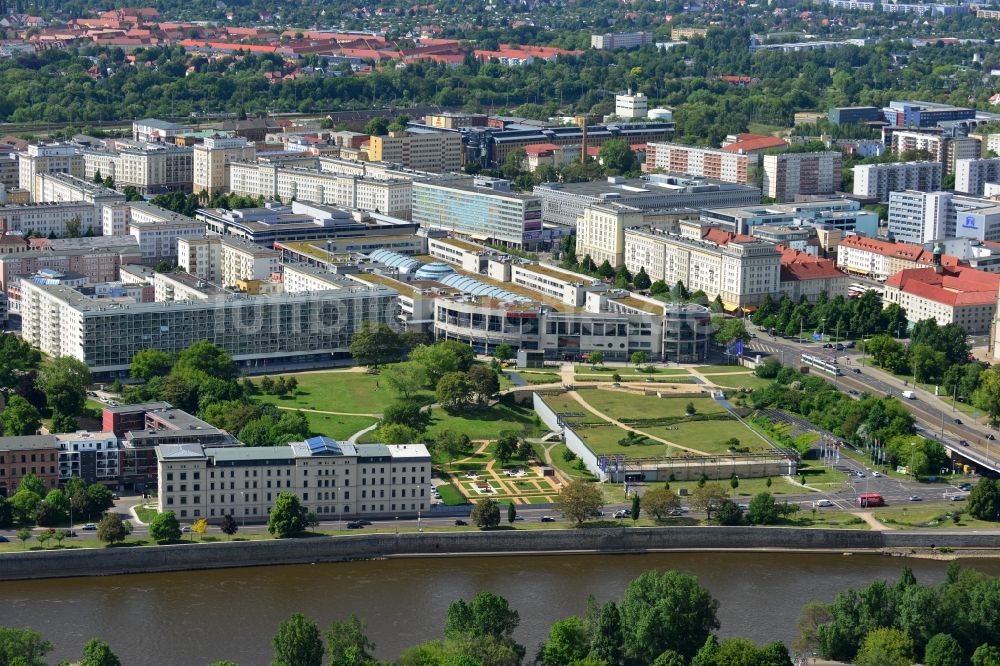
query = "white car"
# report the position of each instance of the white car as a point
(823, 502)
(622, 514)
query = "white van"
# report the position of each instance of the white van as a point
(909, 395)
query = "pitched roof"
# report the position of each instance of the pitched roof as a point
(750, 142)
(906, 251)
(797, 266)
(960, 286)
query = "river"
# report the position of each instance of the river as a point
(197, 617)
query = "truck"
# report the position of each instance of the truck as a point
(909, 395)
(870, 499)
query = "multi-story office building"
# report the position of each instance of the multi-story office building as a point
(879, 259)
(600, 232)
(419, 148)
(150, 169)
(211, 159)
(631, 106)
(97, 258)
(49, 158)
(158, 229)
(620, 40)
(226, 260)
(922, 217)
(272, 181)
(333, 479)
(452, 120)
(285, 328)
(563, 203)
(958, 295)
(10, 176)
(152, 130)
(971, 175)
(943, 148)
(790, 174)
(878, 180)
(855, 115)
(51, 219)
(480, 208)
(842, 214)
(924, 114)
(30, 454)
(56, 187)
(719, 165)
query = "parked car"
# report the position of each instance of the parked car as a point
(354, 525)
(849, 345)
(460, 523)
(965, 486)
(744, 507)
(676, 512)
(186, 528)
(621, 514)
(90, 527)
(115, 496)
(518, 517)
(916, 498)
(548, 519)
(860, 475)
(852, 392)
(876, 474)
(3, 539)
(840, 347)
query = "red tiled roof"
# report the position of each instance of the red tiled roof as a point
(723, 237)
(953, 286)
(907, 251)
(754, 142)
(798, 265)
(539, 148)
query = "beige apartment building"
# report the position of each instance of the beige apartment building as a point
(600, 232)
(51, 158)
(226, 260)
(211, 159)
(336, 480)
(426, 150)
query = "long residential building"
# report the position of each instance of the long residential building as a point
(958, 295)
(879, 259)
(48, 158)
(563, 203)
(878, 180)
(211, 159)
(285, 328)
(276, 182)
(922, 217)
(483, 209)
(620, 40)
(713, 163)
(97, 258)
(226, 260)
(150, 169)
(157, 230)
(28, 454)
(971, 175)
(56, 187)
(788, 175)
(417, 148)
(944, 148)
(51, 219)
(600, 232)
(333, 479)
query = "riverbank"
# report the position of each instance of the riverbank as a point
(190, 556)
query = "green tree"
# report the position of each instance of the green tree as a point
(607, 639)
(728, 513)
(666, 611)
(984, 500)
(885, 646)
(506, 446)
(503, 352)
(17, 358)
(486, 513)
(763, 510)
(23, 535)
(406, 413)
(638, 358)
(511, 513)
(617, 157)
(56, 509)
(64, 381)
(580, 500)
(452, 444)
(606, 270)
(986, 655)
(729, 330)
(487, 615)
(485, 383)
(228, 525)
(375, 344)
(568, 643)
(149, 363)
(634, 512)
(348, 644)
(443, 357)
(987, 396)
(595, 358)
(288, 517)
(659, 502)
(943, 650)
(298, 643)
(20, 417)
(99, 499)
(98, 653)
(707, 498)
(24, 505)
(641, 280)
(23, 645)
(164, 527)
(206, 358)
(62, 423)
(454, 391)
(111, 529)
(407, 379)
(377, 126)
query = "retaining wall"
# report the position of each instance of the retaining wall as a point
(180, 557)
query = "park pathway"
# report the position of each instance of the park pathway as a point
(872, 521)
(323, 411)
(590, 408)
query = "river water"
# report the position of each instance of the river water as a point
(197, 617)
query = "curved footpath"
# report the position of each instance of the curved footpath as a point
(182, 557)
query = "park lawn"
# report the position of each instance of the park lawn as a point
(634, 379)
(450, 495)
(842, 520)
(709, 436)
(146, 513)
(568, 468)
(721, 368)
(821, 476)
(626, 371)
(541, 377)
(603, 440)
(733, 380)
(335, 426)
(625, 406)
(339, 391)
(562, 403)
(486, 423)
(780, 485)
(930, 516)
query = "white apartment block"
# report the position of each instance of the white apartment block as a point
(620, 40)
(226, 260)
(114, 219)
(303, 277)
(54, 187)
(309, 327)
(92, 456)
(157, 231)
(694, 161)
(211, 159)
(922, 217)
(50, 158)
(790, 174)
(150, 170)
(740, 271)
(971, 175)
(50, 219)
(392, 197)
(631, 106)
(878, 180)
(333, 479)
(600, 232)
(152, 130)
(428, 150)
(934, 144)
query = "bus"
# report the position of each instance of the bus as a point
(829, 367)
(870, 499)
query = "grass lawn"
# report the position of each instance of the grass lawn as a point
(562, 403)
(541, 377)
(146, 513)
(646, 379)
(603, 440)
(733, 380)
(450, 495)
(821, 476)
(486, 423)
(337, 427)
(568, 468)
(747, 488)
(709, 436)
(930, 516)
(834, 519)
(765, 129)
(629, 371)
(338, 391)
(625, 406)
(720, 369)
